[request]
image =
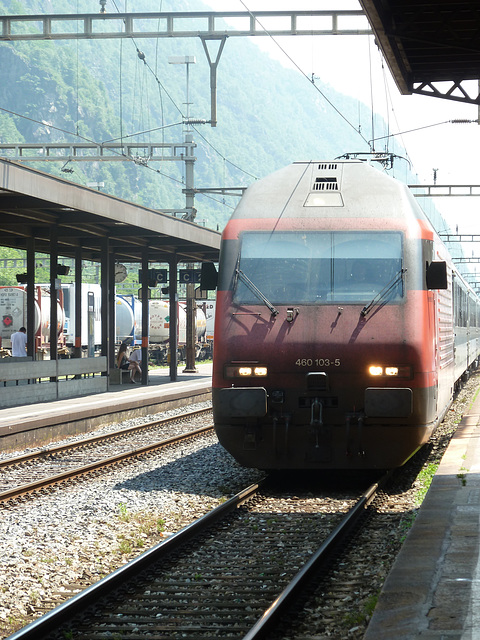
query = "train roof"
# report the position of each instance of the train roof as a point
(328, 189)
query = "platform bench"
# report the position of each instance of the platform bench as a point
(119, 376)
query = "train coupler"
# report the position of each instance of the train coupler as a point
(316, 415)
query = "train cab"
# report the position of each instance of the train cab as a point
(334, 327)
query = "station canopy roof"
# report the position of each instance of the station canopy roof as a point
(36, 205)
(432, 47)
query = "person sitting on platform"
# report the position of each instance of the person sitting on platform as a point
(135, 359)
(123, 362)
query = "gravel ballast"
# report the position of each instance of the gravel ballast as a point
(57, 544)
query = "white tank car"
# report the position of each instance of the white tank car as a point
(91, 314)
(160, 322)
(13, 313)
(125, 321)
(201, 324)
(124, 318)
(208, 310)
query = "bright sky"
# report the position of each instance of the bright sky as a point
(353, 66)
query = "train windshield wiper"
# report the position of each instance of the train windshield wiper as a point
(256, 291)
(384, 292)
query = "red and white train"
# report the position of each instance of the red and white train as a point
(342, 326)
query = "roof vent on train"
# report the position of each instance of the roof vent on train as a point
(325, 184)
(325, 191)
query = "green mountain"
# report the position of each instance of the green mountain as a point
(100, 90)
(75, 91)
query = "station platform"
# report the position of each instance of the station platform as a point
(38, 424)
(433, 589)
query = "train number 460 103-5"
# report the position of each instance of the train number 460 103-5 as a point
(318, 362)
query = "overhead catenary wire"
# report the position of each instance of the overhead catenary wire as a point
(139, 133)
(224, 158)
(141, 56)
(387, 96)
(91, 141)
(426, 126)
(162, 114)
(309, 79)
(161, 88)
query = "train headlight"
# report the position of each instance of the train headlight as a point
(390, 371)
(375, 370)
(245, 371)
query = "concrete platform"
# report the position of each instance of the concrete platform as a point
(37, 424)
(433, 589)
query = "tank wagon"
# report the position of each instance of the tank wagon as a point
(128, 322)
(13, 315)
(342, 327)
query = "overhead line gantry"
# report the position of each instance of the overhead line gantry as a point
(180, 24)
(209, 26)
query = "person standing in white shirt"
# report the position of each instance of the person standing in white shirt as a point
(19, 343)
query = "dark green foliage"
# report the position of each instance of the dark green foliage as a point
(99, 90)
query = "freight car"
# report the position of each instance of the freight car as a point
(13, 314)
(342, 326)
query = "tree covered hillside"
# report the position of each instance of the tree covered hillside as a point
(102, 90)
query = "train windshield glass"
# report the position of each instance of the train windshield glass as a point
(320, 268)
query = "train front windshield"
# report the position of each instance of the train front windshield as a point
(319, 267)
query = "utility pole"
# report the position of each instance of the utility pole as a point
(190, 215)
(189, 158)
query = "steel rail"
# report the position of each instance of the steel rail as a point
(277, 609)
(100, 464)
(53, 619)
(79, 444)
(78, 603)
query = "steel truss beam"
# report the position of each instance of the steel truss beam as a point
(180, 24)
(456, 90)
(467, 237)
(441, 190)
(211, 25)
(140, 153)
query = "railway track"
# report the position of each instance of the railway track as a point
(232, 573)
(35, 471)
(339, 608)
